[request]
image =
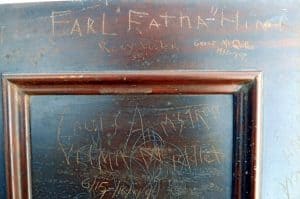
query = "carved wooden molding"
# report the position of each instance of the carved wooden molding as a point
(244, 86)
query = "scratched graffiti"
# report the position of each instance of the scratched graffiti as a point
(166, 147)
(96, 20)
(115, 25)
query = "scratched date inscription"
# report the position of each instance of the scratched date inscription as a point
(140, 147)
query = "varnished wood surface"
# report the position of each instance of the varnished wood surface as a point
(128, 35)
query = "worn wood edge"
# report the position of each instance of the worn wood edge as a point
(17, 142)
(237, 169)
(258, 116)
(12, 145)
(24, 121)
(8, 170)
(254, 97)
(28, 143)
(135, 76)
(147, 89)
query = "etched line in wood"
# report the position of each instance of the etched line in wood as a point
(166, 18)
(131, 20)
(234, 20)
(55, 21)
(2, 28)
(103, 26)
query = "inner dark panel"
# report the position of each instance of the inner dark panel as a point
(132, 146)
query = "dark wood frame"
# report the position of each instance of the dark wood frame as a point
(244, 86)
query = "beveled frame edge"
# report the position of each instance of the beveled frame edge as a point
(249, 138)
(17, 89)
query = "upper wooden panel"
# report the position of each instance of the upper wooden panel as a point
(146, 35)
